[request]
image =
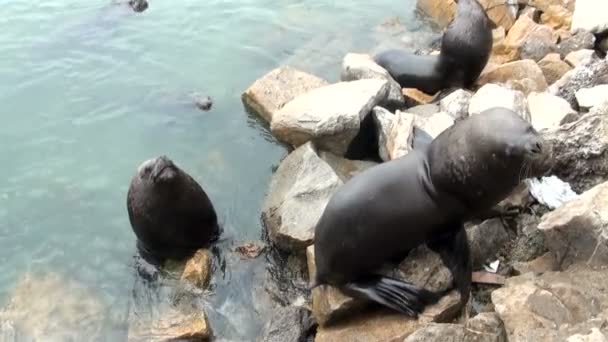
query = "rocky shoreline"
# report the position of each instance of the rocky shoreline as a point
(540, 259)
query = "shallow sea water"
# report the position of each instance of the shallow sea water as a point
(88, 90)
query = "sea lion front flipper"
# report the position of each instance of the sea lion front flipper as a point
(421, 139)
(454, 251)
(393, 293)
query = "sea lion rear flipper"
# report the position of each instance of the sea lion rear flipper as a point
(453, 249)
(395, 294)
(421, 139)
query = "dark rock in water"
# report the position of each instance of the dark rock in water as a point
(582, 39)
(203, 103)
(288, 324)
(138, 5)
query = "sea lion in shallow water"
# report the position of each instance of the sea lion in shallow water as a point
(171, 215)
(382, 213)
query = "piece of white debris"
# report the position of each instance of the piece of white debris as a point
(492, 267)
(299, 302)
(551, 191)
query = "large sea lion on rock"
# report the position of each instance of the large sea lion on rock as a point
(466, 46)
(171, 215)
(382, 213)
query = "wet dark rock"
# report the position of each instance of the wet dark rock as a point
(287, 324)
(485, 240)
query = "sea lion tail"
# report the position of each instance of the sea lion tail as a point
(393, 293)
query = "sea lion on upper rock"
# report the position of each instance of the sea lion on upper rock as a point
(382, 213)
(466, 45)
(412, 71)
(171, 215)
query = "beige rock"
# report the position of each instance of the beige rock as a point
(384, 125)
(197, 270)
(492, 95)
(416, 97)
(526, 31)
(356, 66)
(456, 104)
(174, 326)
(270, 92)
(594, 336)
(330, 115)
(549, 111)
(425, 269)
(577, 232)
(576, 58)
(499, 12)
(591, 97)
(555, 13)
(590, 15)
(441, 11)
(544, 263)
(553, 67)
(583, 76)
(515, 74)
(554, 305)
(399, 139)
(485, 327)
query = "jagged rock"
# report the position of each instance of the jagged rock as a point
(590, 15)
(287, 324)
(583, 76)
(554, 305)
(485, 240)
(580, 40)
(330, 116)
(424, 268)
(536, 38)
(173, 326)
(518, 199)
(456, 104)
(580, 149)
(357, 66)
(298, 193)
(492, 95)
(384, 123)
(580, 57)
(591, 97)
(500, 12)
(52, 307)
(542, 264)
(577, 231)
(524, 75)
(485, 327)
(270, 92)
(553, 67)
(441, 11)
(549, 111)
(399, 141)
(195, 271)
(556, 17)
(500, 52)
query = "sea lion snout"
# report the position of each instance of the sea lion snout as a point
(164, 169)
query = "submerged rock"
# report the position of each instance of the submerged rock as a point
(270, 92)
(549, 111)
(553, 306)
(492, 95)
(524, 75)
(195, 271)
(173, 326)
(287, 324)
(553, 67)
(580, 149)
(357, 66)
(330, 116)
(577, 232)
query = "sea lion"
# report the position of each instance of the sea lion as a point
(382, 213)
(171, 215)
(466, 45)
(422, 72)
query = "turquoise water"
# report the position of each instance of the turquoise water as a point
(89, 90)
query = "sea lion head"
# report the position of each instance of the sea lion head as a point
(158, 170)
(480, 160)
